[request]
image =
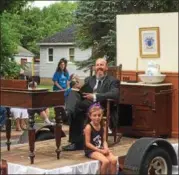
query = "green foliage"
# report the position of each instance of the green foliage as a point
(12, 5)
(10, 38)
(96, 23)
(39, 24)
(25, 25)
(31, 18)
(10, 69)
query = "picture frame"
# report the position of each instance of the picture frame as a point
(149, 42)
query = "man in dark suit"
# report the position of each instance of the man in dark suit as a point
(99, 88)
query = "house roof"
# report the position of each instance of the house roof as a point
(21, 51)
(65, 36)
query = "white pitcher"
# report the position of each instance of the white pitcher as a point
(153, 68)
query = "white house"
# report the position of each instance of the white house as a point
(26, 58)
(23, 55)
(57, 46)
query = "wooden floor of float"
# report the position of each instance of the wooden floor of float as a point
(45, 156)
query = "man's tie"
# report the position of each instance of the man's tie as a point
(99, 86)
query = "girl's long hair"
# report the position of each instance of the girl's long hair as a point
(58, 69)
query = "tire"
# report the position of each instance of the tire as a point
(44, 135)
(162, 160)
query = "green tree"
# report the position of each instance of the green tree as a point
(24, 25)
(10, 38)
(30, 32)
(12, 5)
(96, 23)
(39, 24)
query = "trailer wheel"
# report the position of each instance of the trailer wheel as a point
(156, 161)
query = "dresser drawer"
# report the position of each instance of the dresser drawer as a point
(136, 96)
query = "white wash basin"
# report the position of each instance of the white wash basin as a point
(152, 78)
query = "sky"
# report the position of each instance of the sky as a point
(42, 4)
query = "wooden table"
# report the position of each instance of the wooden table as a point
(33, 99)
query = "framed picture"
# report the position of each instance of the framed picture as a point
(149, 42)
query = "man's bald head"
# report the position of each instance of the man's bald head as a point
(99, 60)
(101, 67)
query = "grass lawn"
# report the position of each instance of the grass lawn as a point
(45, 86)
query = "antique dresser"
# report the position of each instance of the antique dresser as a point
(145, 109)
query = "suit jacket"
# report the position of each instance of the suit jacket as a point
(109, 90)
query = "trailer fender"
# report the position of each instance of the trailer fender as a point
(138, 151)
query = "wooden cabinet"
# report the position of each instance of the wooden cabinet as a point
(142, 118)
(151, 109)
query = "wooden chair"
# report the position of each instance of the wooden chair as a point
(116, 72)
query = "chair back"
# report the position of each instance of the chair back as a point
(119, 72)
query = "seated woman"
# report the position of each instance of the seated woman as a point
(73, 84)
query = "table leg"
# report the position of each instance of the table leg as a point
(58, 129)
(31, 133)
(4, 167)
(8, 129)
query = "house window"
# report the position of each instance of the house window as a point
(50, 54)
(71, 54)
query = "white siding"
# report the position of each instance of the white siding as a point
(81, 55)
(47, 69)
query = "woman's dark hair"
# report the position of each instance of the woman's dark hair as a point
(58, 69)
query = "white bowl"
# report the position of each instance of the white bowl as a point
(152, 78)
